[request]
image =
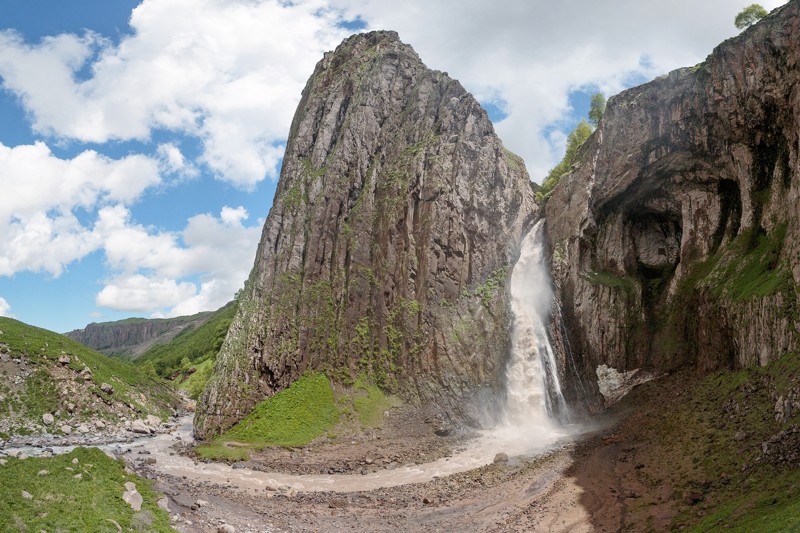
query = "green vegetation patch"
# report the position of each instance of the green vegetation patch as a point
(196, 382)
(61, 502)
(708, 441)
(308, 409)
(751, 267)
(370, 403)
(293, 417)
(609, 279)
(191, 347)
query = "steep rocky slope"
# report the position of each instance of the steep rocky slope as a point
(675, 238)
(134, 336)
(387, 248)
(55, 385)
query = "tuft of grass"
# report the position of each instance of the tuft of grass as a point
(196, 382)
(370, 402)
(61, 502)
(608, 279)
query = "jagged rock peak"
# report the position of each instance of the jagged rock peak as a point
(396, 219)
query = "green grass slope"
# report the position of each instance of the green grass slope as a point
(67, 496)
(309, 408)
(33, 382)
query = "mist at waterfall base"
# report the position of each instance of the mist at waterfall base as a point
(535, 415)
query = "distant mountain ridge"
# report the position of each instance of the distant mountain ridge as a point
(132, 337)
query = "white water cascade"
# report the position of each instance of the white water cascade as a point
(533, 387)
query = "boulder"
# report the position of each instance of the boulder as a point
(501, 457)
(139, 426)
(48, 419)
(106, 388)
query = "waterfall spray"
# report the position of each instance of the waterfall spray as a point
(534, 396)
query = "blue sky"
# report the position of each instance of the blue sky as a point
(140, 141)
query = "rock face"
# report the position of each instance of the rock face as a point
(675, 239)
(134, 336)
(387, 248)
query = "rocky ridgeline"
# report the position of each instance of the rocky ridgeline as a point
(387, 249)
(134, 336)
(675, 238)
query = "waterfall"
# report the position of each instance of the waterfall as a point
(533, 388)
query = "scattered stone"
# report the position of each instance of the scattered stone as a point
(443, 431)
(198, 504)
(106, 388)
(740, 435)
(139, 426)
(99, 424)
(43, 472)
(692, 497)
(129, 486)
(337, 503)
(75, 461)
(163, 503)
(3, 462)
(133, 498)
(71, 407)
(83, 429)
(78, 476)
(152, 421)
(427, 501)
(239, 465)
(501, 457)
(27, 495)
(65, 428)
(368, 460)
(64, 359)
(226, 528)
(149, 460)
(48, 419)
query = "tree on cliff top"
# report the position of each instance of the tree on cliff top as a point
(575, 139)
(749, 16)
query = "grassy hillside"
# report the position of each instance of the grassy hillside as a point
(33, 381)
(189, 357)
(720, 452)
(55, 494)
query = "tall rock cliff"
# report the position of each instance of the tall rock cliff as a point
(676, 238)
(386, 251)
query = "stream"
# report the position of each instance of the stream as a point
(477, 453)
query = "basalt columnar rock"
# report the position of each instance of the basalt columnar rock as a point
(676, 237)
(386, 251)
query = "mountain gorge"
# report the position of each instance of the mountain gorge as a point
(388, 246)
(676, 237)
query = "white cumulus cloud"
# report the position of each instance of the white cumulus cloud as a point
(39, 229)
(175, 273)
(5, 308)
(227, 72)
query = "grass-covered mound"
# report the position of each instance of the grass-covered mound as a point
(60, 501)
(33, 381)
(308, 409)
